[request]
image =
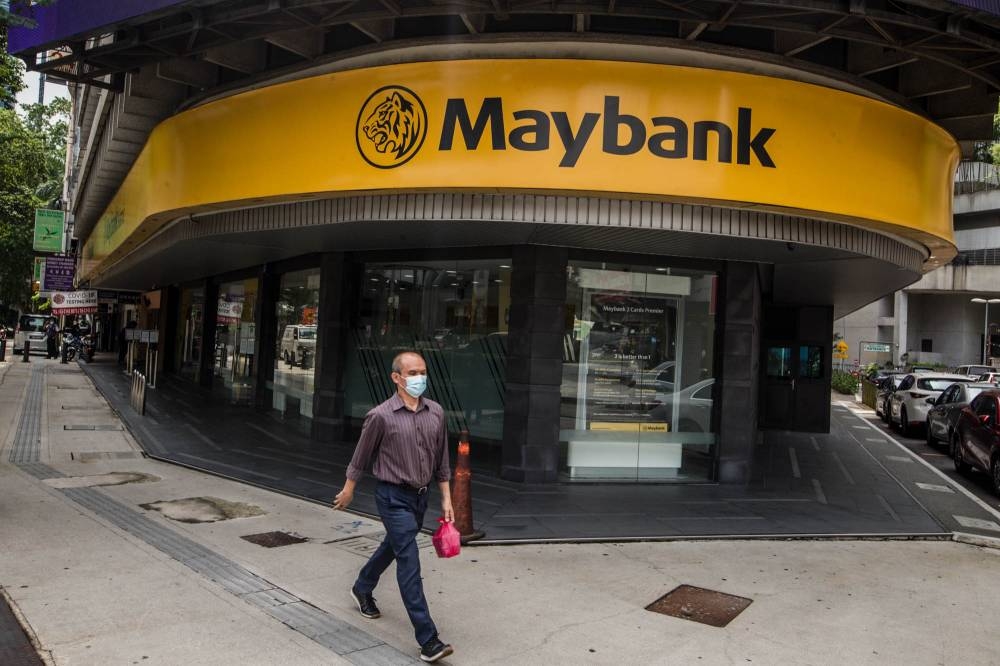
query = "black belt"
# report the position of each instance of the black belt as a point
(405, 486)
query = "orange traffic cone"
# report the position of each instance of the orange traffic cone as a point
(461, 492)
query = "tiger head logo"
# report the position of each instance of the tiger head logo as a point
(391, 127)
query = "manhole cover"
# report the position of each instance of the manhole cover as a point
(274, 539)
(700, 605)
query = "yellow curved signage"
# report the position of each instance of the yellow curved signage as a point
(593, 127)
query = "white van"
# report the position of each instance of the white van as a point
(30, 327)
(298, 345)
(974, 371)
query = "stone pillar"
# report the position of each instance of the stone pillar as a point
(902, 318)
(738, 393)
(338, 297)
(207, 363)
(170, 311)
(534, 364)
(266, 338)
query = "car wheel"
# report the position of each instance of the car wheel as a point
(930, 436)
(957, 456)
(995, 474)
(904, 423)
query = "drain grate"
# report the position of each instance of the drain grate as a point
(100, 426)
(274, 539)
(700, 605)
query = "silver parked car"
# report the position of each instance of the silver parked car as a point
(944, 411)
(908, 403)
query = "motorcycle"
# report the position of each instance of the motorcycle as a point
(74, 347)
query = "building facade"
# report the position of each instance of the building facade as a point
(620, 235)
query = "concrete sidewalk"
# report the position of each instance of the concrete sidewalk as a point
(102, 580)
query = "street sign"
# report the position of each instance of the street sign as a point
(876, 347)
(58, 274)
(48, 230)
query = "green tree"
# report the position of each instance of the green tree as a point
(32, 158)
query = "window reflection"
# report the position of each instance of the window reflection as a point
(235, 339)
(456, 314)
(295, 355)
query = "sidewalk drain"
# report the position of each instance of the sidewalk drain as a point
(91, 456)
(203, 509)
(700, 605)
(102, 426)
(274, 539)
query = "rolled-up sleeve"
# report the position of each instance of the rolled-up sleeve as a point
(443, 472)
(371, 436)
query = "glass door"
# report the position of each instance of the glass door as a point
(235, 339)
(189, 326)
(637, 373)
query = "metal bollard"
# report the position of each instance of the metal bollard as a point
(3, 350)
(64, 352)
(27, 350)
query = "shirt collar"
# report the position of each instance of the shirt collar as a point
(398, 404)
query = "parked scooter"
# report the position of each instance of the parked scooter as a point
(75, 347)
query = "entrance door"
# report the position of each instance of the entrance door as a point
(796, 369)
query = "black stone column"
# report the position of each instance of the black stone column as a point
(170, 307)
(738, 393)
(534, 364)
(338, 294)
(208, 334)
(266, 338)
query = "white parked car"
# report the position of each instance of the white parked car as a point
(908, 405)
(30, 327)
(298, 345)
(974, 371)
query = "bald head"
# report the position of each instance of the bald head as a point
(404, 359)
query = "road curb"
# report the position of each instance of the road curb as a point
(43, 654)
(977, 540)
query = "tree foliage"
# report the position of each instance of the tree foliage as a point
(32, 158)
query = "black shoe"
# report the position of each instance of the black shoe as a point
(366, 604)
(434, 649)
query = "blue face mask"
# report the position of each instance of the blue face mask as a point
(416, 385)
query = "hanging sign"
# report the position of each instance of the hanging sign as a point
(74, 302)
(48, 230)
(58, 274)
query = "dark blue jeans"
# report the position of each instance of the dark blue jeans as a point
(402, 512)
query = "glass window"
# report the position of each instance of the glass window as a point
(906, 383)
(935, 384)
(779, 362)
(637, 373)
(811, 362)
(295, 354)
(985, 405)
(235, 338)
(189, 327)
(456, 314)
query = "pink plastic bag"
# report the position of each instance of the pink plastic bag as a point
(447, 540)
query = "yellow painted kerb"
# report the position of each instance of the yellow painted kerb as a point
(594, 127)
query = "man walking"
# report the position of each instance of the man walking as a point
(51, 339)
(408, 439)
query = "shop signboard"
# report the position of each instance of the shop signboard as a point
(58, 274)
(39, 270)
(105, 297)
(128, 298)
(48, 230)
(74, 302)
(229, 312)
(876, 347)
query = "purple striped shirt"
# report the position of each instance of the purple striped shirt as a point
(410, 448)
